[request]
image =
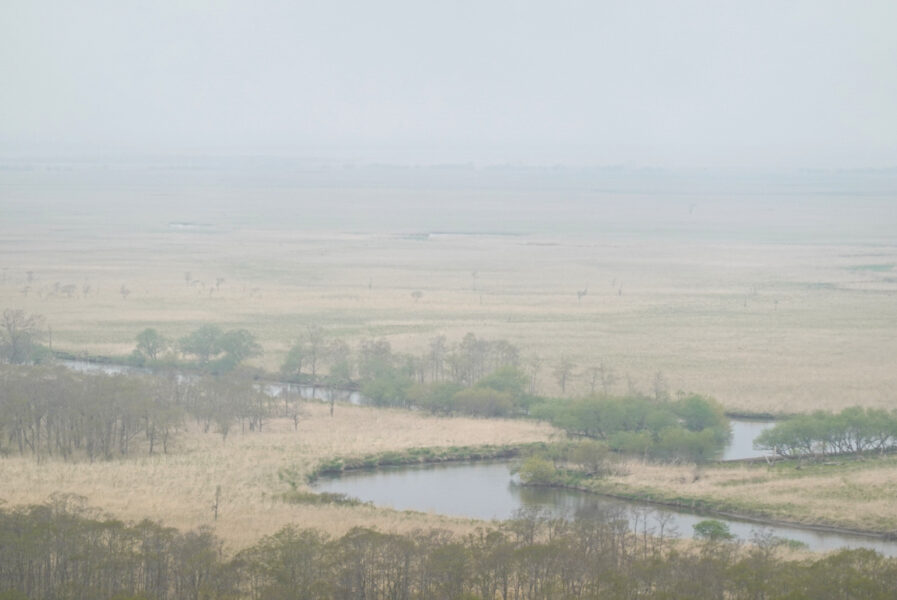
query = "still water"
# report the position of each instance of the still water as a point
(741, 444)
(489, 491)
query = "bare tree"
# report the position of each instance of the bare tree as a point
(580, 294)
(534, 365)
(217, 501)
(18, 334)
(563, 372)
(601, 375)
(661, 389)
(438, 351)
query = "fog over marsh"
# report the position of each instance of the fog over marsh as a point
(649, 83)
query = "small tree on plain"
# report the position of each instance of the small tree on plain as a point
(18, 334)
(563, 372)
(150, 343)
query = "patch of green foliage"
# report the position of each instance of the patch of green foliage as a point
(313, 498)
(691, 428)
(711, 529)
(854, 430)
(416, 456)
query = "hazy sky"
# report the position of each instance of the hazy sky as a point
(657, 82)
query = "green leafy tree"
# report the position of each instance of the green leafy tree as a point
(388, 388)
(484, 402)
(238, 345)
(536, 470)
(711, 529)
(151, 344)
(202, 343)
(308, 352)
(292, 364)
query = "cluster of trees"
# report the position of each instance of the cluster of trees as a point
(212, 348)
(692, 427)
(501, 393)
(564, 463)
(62, 550)
(854, 430)
(463, 363)
(53, 411)
(474, 376)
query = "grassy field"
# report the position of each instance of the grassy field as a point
(779, 302)
(771, 304)
(178, 489)
(855, 494)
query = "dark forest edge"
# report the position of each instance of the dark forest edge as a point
(62, 549)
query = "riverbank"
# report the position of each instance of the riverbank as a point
(616, 484)
(420, 456)
(851, 496)
(486, 490)
(178, 489)
(710, 508)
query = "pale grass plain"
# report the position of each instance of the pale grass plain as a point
(178, 488)
(847, 494)
(766, 305)
(761, 327)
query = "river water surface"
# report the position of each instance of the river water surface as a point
(490, 491)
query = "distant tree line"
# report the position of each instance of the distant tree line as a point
(63, 550)
(475, 376)
(854, 430)
(53, 411)
(211, 348)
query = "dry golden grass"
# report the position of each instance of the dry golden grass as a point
(762, 327)
(178, 489)
(858, 495)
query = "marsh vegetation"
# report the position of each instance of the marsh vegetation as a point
(600, 346)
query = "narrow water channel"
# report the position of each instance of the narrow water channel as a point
(740, 446)
(489, 491)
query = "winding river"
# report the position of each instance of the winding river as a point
(490, 491)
